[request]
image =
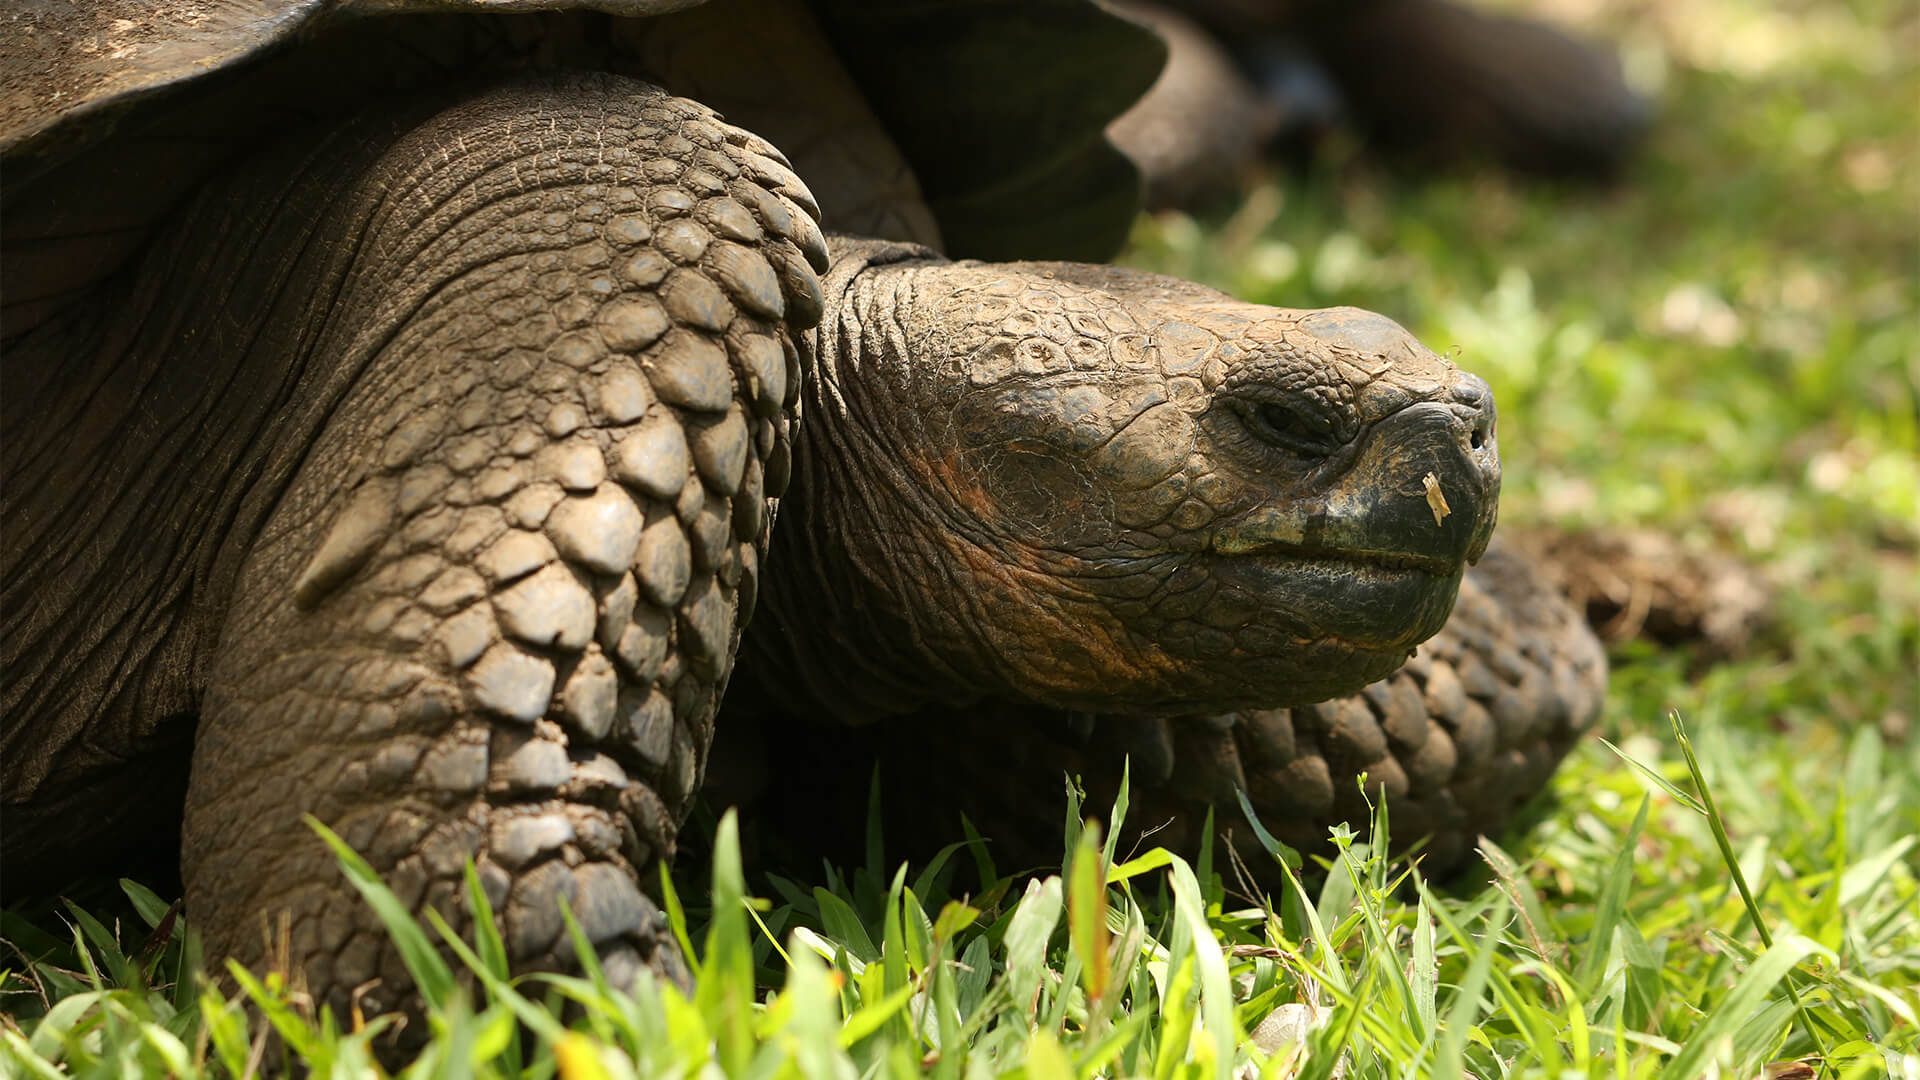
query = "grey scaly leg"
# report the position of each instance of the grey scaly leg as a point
(492, 613)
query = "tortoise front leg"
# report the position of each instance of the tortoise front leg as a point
(492, 615)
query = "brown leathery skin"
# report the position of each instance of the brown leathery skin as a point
(1092, 488)
(489, 571)
(1455, 741)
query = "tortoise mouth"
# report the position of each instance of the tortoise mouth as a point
(1283, 551)
(1357, 601)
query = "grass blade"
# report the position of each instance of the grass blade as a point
(430, 972)
(1613, 901)
(1747, 996)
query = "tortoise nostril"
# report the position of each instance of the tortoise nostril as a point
(1473, 393)
(1485, 430)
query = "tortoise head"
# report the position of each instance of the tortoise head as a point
(1101, 489)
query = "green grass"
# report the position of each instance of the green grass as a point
(1626, 945)
(1724, 348)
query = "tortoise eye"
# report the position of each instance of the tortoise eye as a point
(1298, 431)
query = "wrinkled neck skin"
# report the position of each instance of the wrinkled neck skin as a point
(1096, 489)
(843, 619)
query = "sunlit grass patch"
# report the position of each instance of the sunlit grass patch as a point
(1621, 947)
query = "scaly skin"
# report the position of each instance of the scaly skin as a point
(546, 499)
(1096, 489)
(532, 357)
(1454, 742)
(1086, 510)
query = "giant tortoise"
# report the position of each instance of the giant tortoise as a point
(399, 395)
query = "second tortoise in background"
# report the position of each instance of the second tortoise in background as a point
(1426, 82)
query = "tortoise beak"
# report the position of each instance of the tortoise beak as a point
(1422, 493)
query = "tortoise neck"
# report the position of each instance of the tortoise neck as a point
(844, 627)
